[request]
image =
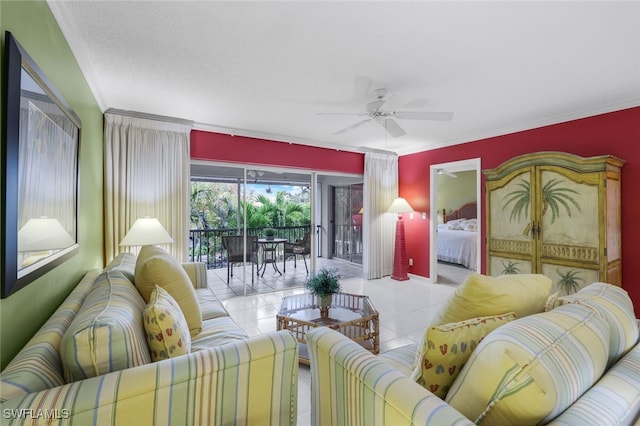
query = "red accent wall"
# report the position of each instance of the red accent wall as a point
(616, 133)
(239, 149)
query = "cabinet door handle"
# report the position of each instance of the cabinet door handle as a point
(535, 230)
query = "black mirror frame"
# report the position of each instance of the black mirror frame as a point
(16, 58)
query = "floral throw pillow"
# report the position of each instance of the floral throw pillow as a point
(165, 326)
(446, 348)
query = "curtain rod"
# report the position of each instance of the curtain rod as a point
(144, 115)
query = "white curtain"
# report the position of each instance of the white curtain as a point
(48, 164)
(48, 155)
(380, 189)
(146, 174)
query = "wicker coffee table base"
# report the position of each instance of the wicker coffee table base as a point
(350, 314)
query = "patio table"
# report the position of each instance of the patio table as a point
(270, 253)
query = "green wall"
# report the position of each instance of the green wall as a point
(455, 192)
(22, 314)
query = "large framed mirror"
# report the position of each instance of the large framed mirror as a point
(40, 151)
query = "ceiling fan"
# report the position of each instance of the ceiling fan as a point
(386, 118)
(447, 173)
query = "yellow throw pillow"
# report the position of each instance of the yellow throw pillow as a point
(165, 326)
(481, 295)
(446, 348)
(145, 253)
(163, 270)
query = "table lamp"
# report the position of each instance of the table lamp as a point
(400, 261)
(41, 236)
(146, 231)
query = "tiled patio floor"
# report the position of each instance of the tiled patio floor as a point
(270, 281)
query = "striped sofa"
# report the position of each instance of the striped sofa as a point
(577, 363)
(226, 379)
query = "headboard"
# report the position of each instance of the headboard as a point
(467, 211)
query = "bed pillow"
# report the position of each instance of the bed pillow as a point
(530, 370)
(156, 267)
(482, 295)
(455, 225)
(165, 326)
(446, 348)
(470, 225)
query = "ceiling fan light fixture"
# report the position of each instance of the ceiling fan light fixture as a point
(374, 111)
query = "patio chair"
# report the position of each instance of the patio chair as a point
(299, 248)
(234, 244)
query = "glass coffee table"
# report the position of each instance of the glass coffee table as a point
(350, 314)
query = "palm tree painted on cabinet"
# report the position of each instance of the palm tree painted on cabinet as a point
(553, 196)
(569, 282)
(510, 268)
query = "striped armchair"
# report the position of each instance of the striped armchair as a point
(351, 386)
(575, 364)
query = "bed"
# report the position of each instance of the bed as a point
(457, 237)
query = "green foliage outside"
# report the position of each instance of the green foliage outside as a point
(215, 205)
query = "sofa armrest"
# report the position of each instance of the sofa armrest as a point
(247, 382)
(615, 397)
(197, 272)
(349, 385)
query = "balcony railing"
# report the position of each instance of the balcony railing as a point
(205, 245)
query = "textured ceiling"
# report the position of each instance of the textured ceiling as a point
(266, 69)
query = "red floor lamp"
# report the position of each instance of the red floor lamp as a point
(400, 261)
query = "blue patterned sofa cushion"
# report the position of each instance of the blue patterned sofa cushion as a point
(614, 400)
(216, 332)
(125, 263)
(616, 306)
(530, 370)
(107, 334)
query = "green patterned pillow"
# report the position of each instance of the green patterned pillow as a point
(165, 326)
(446, 348)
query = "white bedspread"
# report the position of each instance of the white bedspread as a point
(458, 247)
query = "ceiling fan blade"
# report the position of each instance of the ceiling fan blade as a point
(416, 103)
(423, 115)
(391, 127)
(342, 113)
(447, 173)
(375, 105)
(353, 126)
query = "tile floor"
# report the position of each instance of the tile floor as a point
(270, 280)
(405, 308)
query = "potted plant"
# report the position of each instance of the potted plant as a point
(324, 284)
(269, 233)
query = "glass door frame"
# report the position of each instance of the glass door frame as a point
(242, 182)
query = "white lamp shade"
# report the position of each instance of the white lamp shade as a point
(146, 231)
(399, 205)
(42, 234)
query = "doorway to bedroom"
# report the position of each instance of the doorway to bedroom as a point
(455, 242)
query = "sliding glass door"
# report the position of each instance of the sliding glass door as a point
(347, 222)
(271, 210)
